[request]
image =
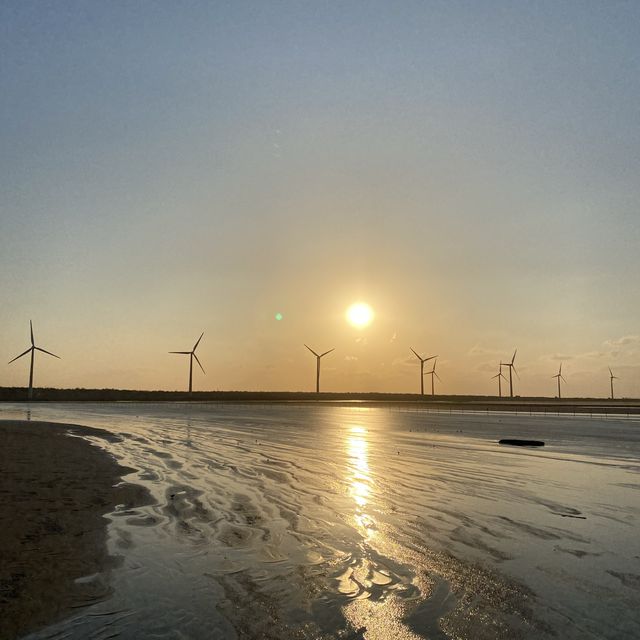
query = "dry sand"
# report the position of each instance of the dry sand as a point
(54, 491)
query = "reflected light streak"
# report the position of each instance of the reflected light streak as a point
(381, 616)
(360, 479)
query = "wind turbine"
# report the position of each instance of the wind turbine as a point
(33, 350)
(500, 376)
(512, 368)
(559, 376)
(422, 361)
(318, 356)
(433, 373)
(611, 379)
(192, 355)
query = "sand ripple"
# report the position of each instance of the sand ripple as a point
(330, 522)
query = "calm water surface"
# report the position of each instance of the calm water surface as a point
(324, 521)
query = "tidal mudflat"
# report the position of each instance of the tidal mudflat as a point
(281, 521)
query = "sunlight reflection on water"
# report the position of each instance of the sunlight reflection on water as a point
(360, 479)
(377, 593)
(377, 524)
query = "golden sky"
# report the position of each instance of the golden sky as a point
(470, 172)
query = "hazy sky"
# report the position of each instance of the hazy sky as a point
(470, 169)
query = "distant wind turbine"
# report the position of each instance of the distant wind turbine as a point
(192, 355)
(500, 376)
(433, 373)
(33, 350)
(318, 356)
(512, 369)
(611, 379)
(559, 376)
(422, 361)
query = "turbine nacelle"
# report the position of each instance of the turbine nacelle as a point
(318, 356)
(192, 355)
(433, 370)
(559, 374)
(32, 350)
(33, 347)
(423, 360)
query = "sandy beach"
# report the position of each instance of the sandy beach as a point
(54, 489)
(323, 522)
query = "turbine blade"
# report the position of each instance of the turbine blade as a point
(186, 353)
(312, 351)
(611, 372)
(48, 352)
(437, 376)
(325, 353)
(514, 371)
(197, 343)
(514, 356)
(429, 358)
(417, 356)
(198, 361)
(20, 356)
(560, 370)
(562, 378)
(31, 327)
(497, 374)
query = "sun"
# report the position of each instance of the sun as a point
(360, 315)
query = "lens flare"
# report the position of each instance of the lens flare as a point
(360, 315)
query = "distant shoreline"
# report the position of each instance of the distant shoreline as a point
(400, 400)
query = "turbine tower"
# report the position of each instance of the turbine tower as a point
(318, 356)
(611, 379)
(512, 369)
(433, 373)
(33, 350)
(559, 376)
(192, 355)
(422, 361)
(500, 376)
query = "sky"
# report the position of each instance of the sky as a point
(470, 170)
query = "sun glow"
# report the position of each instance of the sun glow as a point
(360, 315)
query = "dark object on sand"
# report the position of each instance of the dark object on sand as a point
(516, 442)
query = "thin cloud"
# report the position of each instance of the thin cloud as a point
(405, 362)
(556, 357)
(478, 350)
(624, 341)
(592, 354)
(487, 367)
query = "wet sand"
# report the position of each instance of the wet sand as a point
(323, 522)
(54, 489)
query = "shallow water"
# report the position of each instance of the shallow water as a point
(323, 521)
